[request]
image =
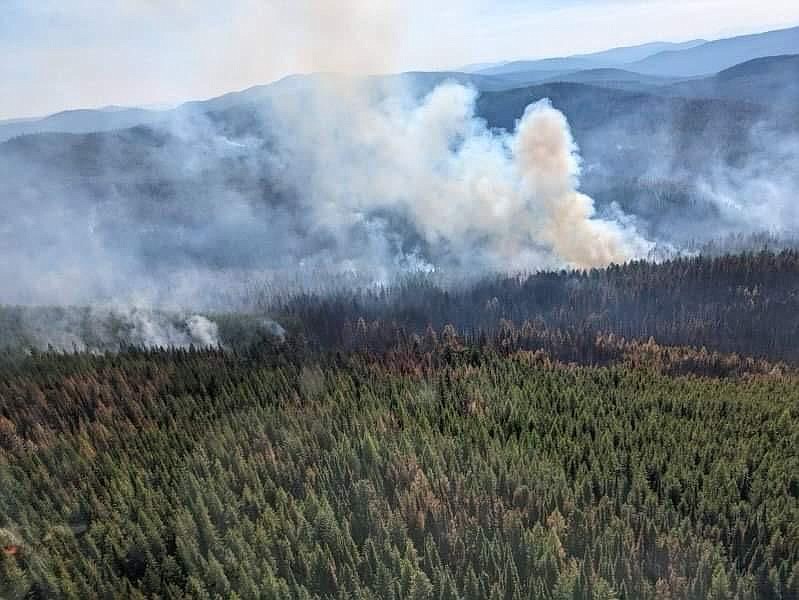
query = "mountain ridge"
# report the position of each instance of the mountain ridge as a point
(646, 75)
(718, 55)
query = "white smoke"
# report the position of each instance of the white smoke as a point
(203, 331)
(273, 328)
(334, 175)
(99, 329)
(479, 199)
(150, 329)
(760, 194)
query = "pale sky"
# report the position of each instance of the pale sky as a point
(59, 54)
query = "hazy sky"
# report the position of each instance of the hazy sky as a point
(60, 54)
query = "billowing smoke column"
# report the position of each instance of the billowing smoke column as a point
(547, 159)
(324, 175)
(480, 200)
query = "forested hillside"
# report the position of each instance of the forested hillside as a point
(447, 473)
(748, 304)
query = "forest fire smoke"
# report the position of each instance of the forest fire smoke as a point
(477, 198)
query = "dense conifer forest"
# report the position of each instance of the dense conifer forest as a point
(746, 304)
(737, 303)
(511, 461)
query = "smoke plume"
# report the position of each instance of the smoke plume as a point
(315, 178)
(97, 329)
(477, 198)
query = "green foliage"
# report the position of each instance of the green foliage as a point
(454, 473)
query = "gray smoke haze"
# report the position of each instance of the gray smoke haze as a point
(348, 180)
(103, 328)
(111, 328)
(273, 328)
(692, 171)
(760, 193)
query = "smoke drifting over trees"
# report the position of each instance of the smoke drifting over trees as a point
(360, 178)
(479, 200)
(353, 180)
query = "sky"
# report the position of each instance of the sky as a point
(63, 54)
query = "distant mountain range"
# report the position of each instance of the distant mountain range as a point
(712, 57)
(687, 59)
(773, 80)
(657, 68)
(80, 121)
(624, 122)
(608, 58)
